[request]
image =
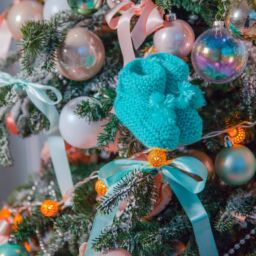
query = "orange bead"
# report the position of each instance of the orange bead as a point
(157, 157)
(100, 188)
(27, 246)
(16, 221)
(49, 208)
(237, 135)
(5, 213)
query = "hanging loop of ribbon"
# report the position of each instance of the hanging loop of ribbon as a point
(185, 175)
(37, 93)
(150, 19)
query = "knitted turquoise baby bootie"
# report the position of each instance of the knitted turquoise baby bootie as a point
(157, 103)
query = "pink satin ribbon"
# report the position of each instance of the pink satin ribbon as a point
(149, 21)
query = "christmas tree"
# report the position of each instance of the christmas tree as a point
(148, 109)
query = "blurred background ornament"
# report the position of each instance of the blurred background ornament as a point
(49, 208)
(203, 157)
(77, 131)
(82, 55)
(11, 124)
(84, 6)
(82, 249)
(52, 7)
(241, 19)
(116, 252)
(218, 57)
(176, 37)
(235, 164)
(12, 250)
(22, 12)
(5, 230)
(100, 188)
(237, 135)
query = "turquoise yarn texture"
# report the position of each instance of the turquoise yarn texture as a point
(156, 102)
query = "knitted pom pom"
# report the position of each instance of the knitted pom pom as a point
(157, 103)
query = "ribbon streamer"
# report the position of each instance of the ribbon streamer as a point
(38, 96)
(185, 175)
(150, 20)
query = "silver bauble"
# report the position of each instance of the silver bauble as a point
(235, 165)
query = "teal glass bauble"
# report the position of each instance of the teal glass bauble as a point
(84, 6)
(235, 165)
(12, 250)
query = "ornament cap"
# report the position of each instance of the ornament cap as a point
(170, 16)
(218, 24)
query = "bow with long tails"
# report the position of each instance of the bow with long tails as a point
(186, 177)
(149, 21)
(38, 96)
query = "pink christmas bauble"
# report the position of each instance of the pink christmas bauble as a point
(82, 55)
(21, 13)
(82, 249)
(116, 252)
(176, 37)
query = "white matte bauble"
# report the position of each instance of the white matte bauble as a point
(52, 7)
(116, 252)
(77, 131)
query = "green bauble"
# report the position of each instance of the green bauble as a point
(84, 6)
(235, 165)
(12, 250)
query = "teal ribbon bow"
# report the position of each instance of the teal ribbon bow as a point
(186, 177)
(37, 93)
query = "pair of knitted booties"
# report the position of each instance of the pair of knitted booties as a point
(156, 102)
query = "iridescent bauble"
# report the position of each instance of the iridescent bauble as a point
(22, 12)
(235, 165)
(82, 55)
(52, 7)
(84, 6)
(79, 132)
(12, 250)
(116, 252)
(218, 57)
(176, 37)
(241, 19)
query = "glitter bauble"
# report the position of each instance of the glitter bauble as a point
(241, 19)
(235, 165)
(12, 250)
(176, 37)
(82, 55)
(22, 12)
(77, 131)
(157, 157)
(49, 208)
(52, 7)
(218, 57)
(84, 6)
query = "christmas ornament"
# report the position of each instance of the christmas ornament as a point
(76, 155)
(116, 252)
(218, 57)
(164, 196)
(100, 188)
(157, 157)
(77, 131)
(11, 124)
(156, 102)
(237, 135)
(82, 249)
(5, 214)
(176, 37)
(82, 55)
(241, 19)
(204, 158)
(52, 7)
(49, 208)
(12, 250)
(84, 6)
(16, 221)
(22, 12)
(5, 230)
(235, 164)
